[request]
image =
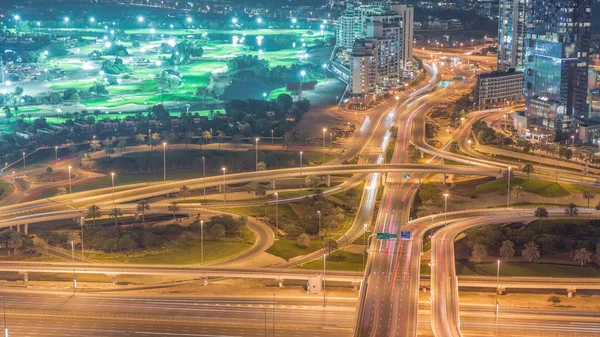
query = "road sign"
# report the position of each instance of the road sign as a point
(405, 175)
(386, 236)
(405, 235)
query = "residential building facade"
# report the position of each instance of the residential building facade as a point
(512, 32)
(499, 88)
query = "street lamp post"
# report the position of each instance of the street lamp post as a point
(323, 153)
(202, 241)
(112, 177)
(224, 187)
(276, 213)
(73, 259)
(70, 179)
(23, 160)
(56, 153)
(204, 177)
(364, 240)
(508, 188)
(164, 161)
(272, 139)
(325, 72)
(319, 234)
(324, 272)
(4, 309)
(300, 158)
(498, 277)
(446, 208)
(256, 154)
(81, 221)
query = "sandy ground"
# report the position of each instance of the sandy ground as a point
(317, 118)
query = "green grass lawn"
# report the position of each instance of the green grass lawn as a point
(533, 269)
(544, 188)
(430, 194)
(339, 260)
(352, 200)
(213, 250)
(5, 189)
(287, 248)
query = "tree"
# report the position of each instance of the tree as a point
(207, 136)
(188, 137)
(261, 166)
(184, 192)
(303, 241)
(217, 231)
(95, 145)
(174, 207)
(115, 213)
(582, 256)
(87, 163)
(140, 138)
(588, 195)
(554, 300)
(541, 212)
(571, 210)
(15, 241)
(531, 251)
(311, 181)
(39, 247)
(93, 212)
(142, 207)
(517, 191)
(236, 140)
(288, 139)
(479, 252)
(242, 223)
(48, 170)
(167, 81)
(528, 169)
(121, 145)
(508, 249)
(109, 150)
(61, 191)
(330, 243)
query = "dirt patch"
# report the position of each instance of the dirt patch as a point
(314, 120)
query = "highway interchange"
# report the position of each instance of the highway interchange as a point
(388, 303)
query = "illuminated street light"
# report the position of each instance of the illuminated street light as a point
(276, 213)
(70, 179)
(301, 158)
(224, 189)
(256, 157)
(234, 21)
(112, 178)
(508, 188)
(323, 153)
(164, 161)
(446, 195)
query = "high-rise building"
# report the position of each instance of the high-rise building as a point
(556, 63)
(378, 36)
(512, 32)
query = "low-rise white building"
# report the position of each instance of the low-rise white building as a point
(499, 88)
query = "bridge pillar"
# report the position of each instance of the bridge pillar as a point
(422, 154)
(273, 184)
(204, 280)
(26, 228)
(500, 291)
(18, 228)
(424, 289)
(328, 178)
(279, 283)
(25, 275)
(571, 292)
(114, 278)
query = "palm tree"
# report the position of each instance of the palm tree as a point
(541, 212)
(261, 166)
(143, 206)
(93, 212)
(588, 195)
(531, 251)
(517, 191)
(39, 247)
(115, 213)
(571, 210)
(479, 252)
(582, 256)
(15, 241)
(61, 191)
(220, 137)
(236, 140)
(528, 168)
(188, 137)
(242, 222)
(303, 241)
(330, 243)
(174, 207)
(508, 249)
(184, 192)
(140, 138)
(206, 135)
(121, 145)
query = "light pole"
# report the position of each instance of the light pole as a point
(498, 277)
(70, 179)
(323, 153)
(364, 240)
(276, 213)
(4, 309)
(300, 158)
(56, 153)
(81, 221)
(204, 177)
(324, 271)
(508, 188)
(164, 161)
(202, 241)
(325, 72)
(319, 234)
(73, 259)
(272, 139)
(446, 208)
(224, 189)
(256, 154)
(67, 22)
(112, 177)
(23, 160)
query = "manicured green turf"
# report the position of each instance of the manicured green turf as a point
(431, 195)
(352, 200)
(5, 189)
(544, 188)
(340, 260)
(287, 248)
(536, 269)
